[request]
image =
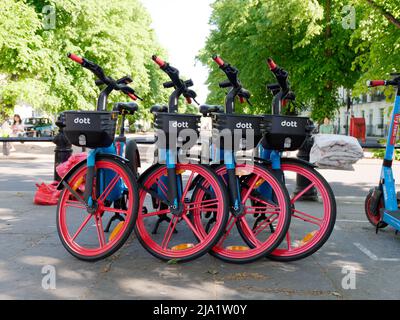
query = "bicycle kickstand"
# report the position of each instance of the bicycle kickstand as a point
(159, 221)
(116, 217)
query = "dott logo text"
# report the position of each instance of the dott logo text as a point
(242, 125)
(180, 124)
(82, 121)
(290, 124)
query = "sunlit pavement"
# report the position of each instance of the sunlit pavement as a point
(29, 241)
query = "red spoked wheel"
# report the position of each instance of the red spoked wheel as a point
(82, 231)
(312, 221)
(170, 236)
(232, 248)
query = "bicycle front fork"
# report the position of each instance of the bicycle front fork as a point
(174, 184)
(235, 198)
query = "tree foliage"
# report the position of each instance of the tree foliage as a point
(315, 41)
(114, 34)
(378, 39)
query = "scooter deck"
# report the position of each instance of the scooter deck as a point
(392, 218)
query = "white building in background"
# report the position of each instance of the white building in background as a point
(373, 108)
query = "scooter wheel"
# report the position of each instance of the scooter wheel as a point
(374, 217)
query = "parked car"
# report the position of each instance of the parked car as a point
(39, 127)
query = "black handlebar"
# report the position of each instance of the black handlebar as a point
(181, 87)
(281, 76)
(281, 90)
(176, 82)
(232, 73)
(102, 79)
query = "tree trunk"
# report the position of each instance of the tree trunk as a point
(328, 30)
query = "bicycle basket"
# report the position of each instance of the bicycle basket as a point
(285, 133)
(90, 129)
(173, 125)
(246, 127)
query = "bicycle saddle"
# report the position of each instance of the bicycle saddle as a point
(206, 109)
(129, 108)
(158, 109)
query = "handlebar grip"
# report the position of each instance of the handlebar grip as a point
(218, 60)
(75, 58)
(225, 84)
(159, 61)
(272, 65)
(376, 83)
(132, 96)
(158, 109)
(168, 85)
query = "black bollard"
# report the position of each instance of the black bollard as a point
(6, 148)
(63, 150)
(302, 182)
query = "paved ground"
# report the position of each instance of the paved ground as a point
(29, 241)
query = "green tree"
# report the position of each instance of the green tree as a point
(305, 37)
(114, 34)
(20, 50)
(378, 40)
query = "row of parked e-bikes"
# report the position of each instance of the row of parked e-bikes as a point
(238, 211)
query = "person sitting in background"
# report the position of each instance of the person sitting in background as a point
(327, 127)
(17, 127)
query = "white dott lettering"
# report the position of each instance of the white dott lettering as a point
(290, 124)
(242, 125)
(82, 121)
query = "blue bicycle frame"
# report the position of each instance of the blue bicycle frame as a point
(105, 176)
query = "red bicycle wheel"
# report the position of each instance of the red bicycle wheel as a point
(312, 221)
(82, 232)
(177, 238)
(232, 248)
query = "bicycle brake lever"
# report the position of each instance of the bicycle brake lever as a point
(194, 99)
(139, 98)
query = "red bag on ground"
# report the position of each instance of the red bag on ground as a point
(65, 167)
(47, 194)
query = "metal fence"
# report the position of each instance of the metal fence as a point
(63, 149)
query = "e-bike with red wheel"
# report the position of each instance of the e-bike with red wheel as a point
(243, 180)
(166, 203)
(312, 221)
(98, 205)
